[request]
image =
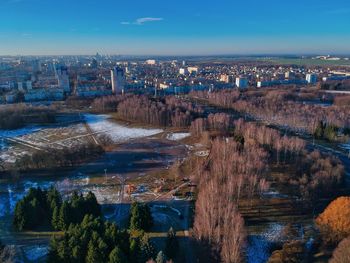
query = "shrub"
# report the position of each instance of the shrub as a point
(334, 222)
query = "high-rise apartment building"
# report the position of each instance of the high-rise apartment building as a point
(311, 78)
(241, 82)
(62, 78)
(118, 80)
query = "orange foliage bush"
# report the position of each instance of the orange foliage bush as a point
(334, 222)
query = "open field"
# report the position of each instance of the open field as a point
(305, 61)
(16, 143)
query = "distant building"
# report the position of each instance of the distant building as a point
(44, 94)
(118, 80)
(241, 82)
(192, 70)
(289, 75)
(330, 78)
(92, 91)
(311, 78)
(279, 76)
(10, 98)
(94, 63)
(226, 78)
(183, 71)
(36, 66)
(29, 85)
(261, 84)
(62, 78)
(20, 86)
(150, 62)
(163, 86)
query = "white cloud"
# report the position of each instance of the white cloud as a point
(142, 20)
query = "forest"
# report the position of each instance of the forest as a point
(284, 108)
(237, 168)
(164, 112)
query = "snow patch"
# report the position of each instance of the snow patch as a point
(177, 136)
(117, 132)
(35, 253)
(19, 132)
(346, 146)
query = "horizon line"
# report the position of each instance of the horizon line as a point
(183, 55)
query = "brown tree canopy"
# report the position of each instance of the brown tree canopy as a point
(334, 222)
(342, 253)
(281, 107)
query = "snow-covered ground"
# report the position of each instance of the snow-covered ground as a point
(117, 132)
(177, 136)
(38, 137)
(19, 132)
(35, 252)
(346, 146)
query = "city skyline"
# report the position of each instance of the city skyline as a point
(35, 27)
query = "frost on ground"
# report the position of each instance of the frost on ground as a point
(177, 136)
(346, 146)
(117, 132)
(19, 132)
(273, 194)
(258, 250)
(36, 252)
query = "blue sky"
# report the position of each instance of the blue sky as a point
(174, 27)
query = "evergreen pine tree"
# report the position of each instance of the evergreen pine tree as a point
(117, 256)
(161, 257)
(171, 245)
(55, 222)
(92, 253)
(19, 220)
(135, 250)
(52, 256)
(147, 249)
(64, 220)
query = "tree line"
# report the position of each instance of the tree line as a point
(86, 236)
(166, 112)
(18, 115)
(241, 154)
(97, 241)
(51, 158)
(232, 171)
(45, 208)
(280, 108)
(315, 175)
